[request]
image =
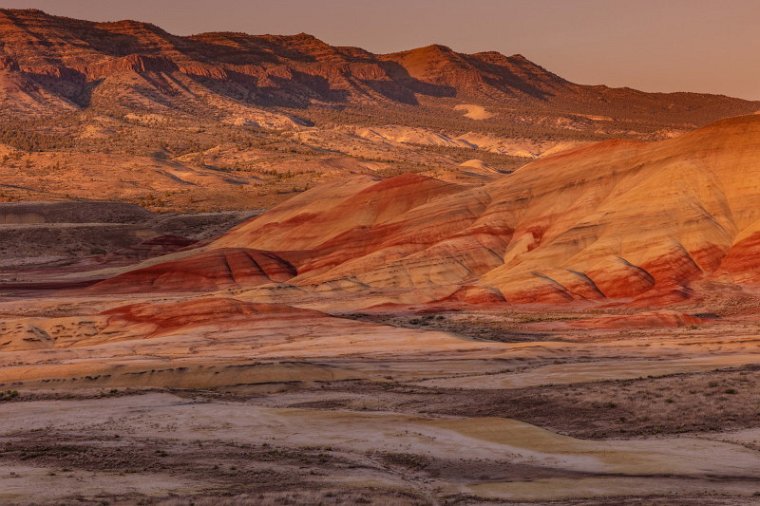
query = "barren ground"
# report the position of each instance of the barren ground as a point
(483, 422)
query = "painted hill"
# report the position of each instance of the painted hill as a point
(625, 221)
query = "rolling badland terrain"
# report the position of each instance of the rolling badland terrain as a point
(242, 269)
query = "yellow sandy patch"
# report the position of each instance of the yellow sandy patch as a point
(474, 111)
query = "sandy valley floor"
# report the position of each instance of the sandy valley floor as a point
(453, 407)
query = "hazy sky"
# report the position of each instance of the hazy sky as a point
(653, 45)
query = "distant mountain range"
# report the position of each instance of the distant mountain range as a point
(51, 64)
